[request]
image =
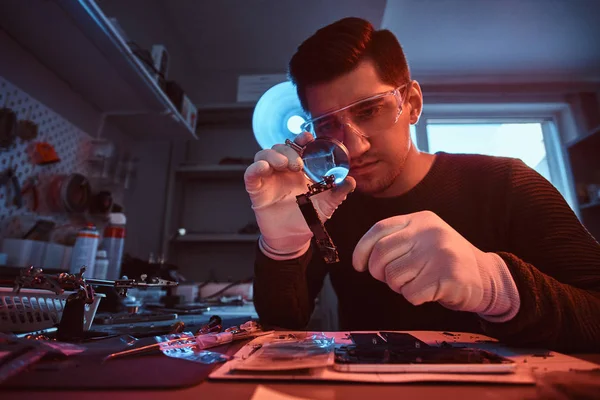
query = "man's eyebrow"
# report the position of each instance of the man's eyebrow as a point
(369, 102)
(325, 118)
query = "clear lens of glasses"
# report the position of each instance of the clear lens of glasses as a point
(369, 117)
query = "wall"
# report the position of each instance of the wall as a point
(585, 109)
(215, 204)
(21, 69)
(148, 197)
(576, 104)
(145, 199)
(69, 143)
(146, 23)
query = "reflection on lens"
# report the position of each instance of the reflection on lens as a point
(339, 173)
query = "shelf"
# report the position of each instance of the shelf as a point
(217, 237)
(589, 205)
(213, 171)
(75, 40)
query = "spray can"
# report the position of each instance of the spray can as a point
(101, 265)
(84, 251)
(114, 243)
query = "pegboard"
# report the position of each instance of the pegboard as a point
(69, 142)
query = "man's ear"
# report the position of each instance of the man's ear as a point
(415, 102)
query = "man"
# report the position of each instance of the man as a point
(426, 242)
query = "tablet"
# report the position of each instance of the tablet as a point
(406, 353)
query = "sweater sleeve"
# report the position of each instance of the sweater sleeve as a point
(285, 291)
(557, 270)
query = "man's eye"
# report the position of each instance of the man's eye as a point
(364, 113)
(325, 126)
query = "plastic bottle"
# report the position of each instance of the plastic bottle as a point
(101, 265)
(84, 250)
(114, 243)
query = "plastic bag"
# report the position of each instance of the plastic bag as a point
(184, 346)
(288, 352)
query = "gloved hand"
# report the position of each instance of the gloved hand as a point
(273, 181)
(423, 258)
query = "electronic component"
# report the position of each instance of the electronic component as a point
(322, 238)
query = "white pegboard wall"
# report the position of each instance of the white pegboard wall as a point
(69, 142)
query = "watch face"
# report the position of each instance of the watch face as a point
(323, 157)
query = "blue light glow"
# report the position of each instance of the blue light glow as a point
(277, 115)
(294, 124)
(339, 173)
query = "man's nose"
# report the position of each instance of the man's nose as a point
(355, 141)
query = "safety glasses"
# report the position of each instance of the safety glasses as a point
(367, 117)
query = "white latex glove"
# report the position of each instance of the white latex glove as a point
(273, 181)
(423, 258)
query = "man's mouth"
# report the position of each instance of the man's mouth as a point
(362, 168)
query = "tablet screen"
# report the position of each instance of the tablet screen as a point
(390, 354)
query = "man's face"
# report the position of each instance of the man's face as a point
(377, 160)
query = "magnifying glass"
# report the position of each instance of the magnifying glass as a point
(326, 164)
(322, 158)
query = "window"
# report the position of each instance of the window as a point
(535, 143)
(524, 141)
(413, 135)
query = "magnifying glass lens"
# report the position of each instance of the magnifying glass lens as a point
(323, 157)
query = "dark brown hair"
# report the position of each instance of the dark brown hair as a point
(338, 48)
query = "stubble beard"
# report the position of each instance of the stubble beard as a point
(376, 183)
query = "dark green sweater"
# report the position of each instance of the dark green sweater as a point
(498, 204)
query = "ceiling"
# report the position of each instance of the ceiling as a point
(531, 39)
(212, 42)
